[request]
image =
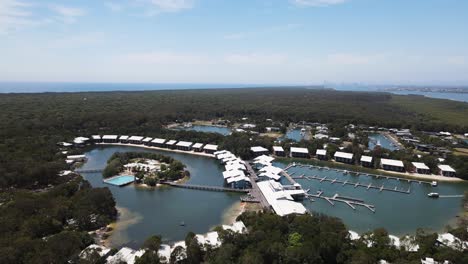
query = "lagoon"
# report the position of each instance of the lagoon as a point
(147, 211)
(398, 213)
(384, 142)
(211, 129)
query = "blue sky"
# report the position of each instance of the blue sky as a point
(241, 41)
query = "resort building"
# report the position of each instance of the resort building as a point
(198, 147)
(421, 168)
(236, 179)
(109, 138)
(263, 160)
(270, 173)
(158, 142)
(299, 152)
(184, 145)
(170, 144)
(279, 151)
(281, 200)
(446, 170)
(343, 157)
(123, 139)
(210, 149)
(96, 138)
(76, 157)
(257, 151)
(321, 154)
(147, 141)
(135, 140)
(392, 165)
(320, 136)
(366, 161)
(80, 141)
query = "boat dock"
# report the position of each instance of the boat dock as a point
(206, 187)
(377, 176)
(355, 184)
(351, 202)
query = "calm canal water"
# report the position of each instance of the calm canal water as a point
(212, 129)
(160, 211)
(398, 213)
(384, 141)
(293, 134)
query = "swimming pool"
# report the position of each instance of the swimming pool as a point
(120, 180)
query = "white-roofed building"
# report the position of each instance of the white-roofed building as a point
(446, 170)
(421, 168)
(343, 157)
(109, 138)
(392, 165)
(80, 141)
(258, 150)
(76, 157)
(123, 139)
(96, 138)
(270, 173)
(210, 148)
(135, 139)
(170, 144)
(238, 182)
(184, 145)
(281, 202)
(366, 161)
(279, 151)
(158, 142)
(198, 147)
(263, 160)
(296, 152)
(235, 166)
(232, 174)
(320, 136)
(321, 154)
(147, 140)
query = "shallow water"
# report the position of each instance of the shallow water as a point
(160, 211)
(212, 129)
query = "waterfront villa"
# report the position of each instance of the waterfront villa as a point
(321, 154)
(280, 199)
(366, 161)
(109, 138)
(96, 138)
(270, 173)
(392, 165)
(446, 170)
(278, 151)
(210, 149)
(135, 140)
(198, 147)
(184, 145)
(158, 142)
(170, 144)
(421, 168)
(147, 141)
(343, 157)
(123, 139)
(299, 152)
(257, 151)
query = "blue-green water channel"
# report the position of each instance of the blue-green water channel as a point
(211, 129)
(384, 142)
(399, 213)
(146, 212)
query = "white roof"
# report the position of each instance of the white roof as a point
(158, 140)
(420, 165)
(391, 162)
(299, 150)
(343, 155)
(96, 136)
(264, 158)
(211, 147)
(171, 142)
(237, 179)
(136, 138)
(322, 152)
(75, 157)
(184, 144)
(281, 202)
(444, 167)
(278, 148)
(109, 137)
(235, 166)
(197, 145)
(148, 139)
(271, 169)
(232, 173)
(366, 158)
(123, 137)
(258, 149)
(270, 175)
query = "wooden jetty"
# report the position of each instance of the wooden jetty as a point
(206, 187)
(351, 202)
(355, 184)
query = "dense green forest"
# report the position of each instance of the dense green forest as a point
(44, 217)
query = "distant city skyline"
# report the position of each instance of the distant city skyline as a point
(421, 42)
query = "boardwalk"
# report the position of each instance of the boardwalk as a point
(255, 192)
(351, 202)
(355, 184)
(206, 187)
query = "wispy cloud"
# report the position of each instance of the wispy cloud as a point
(114, 6)
(255, 59)
(172, 5)
(15, 15)
(269, 30)
(353, 59)
(163, 57)
(317, 2)
(68, 14)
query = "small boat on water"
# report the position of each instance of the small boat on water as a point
(434, 183)
(182, 223)
(433, 195)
